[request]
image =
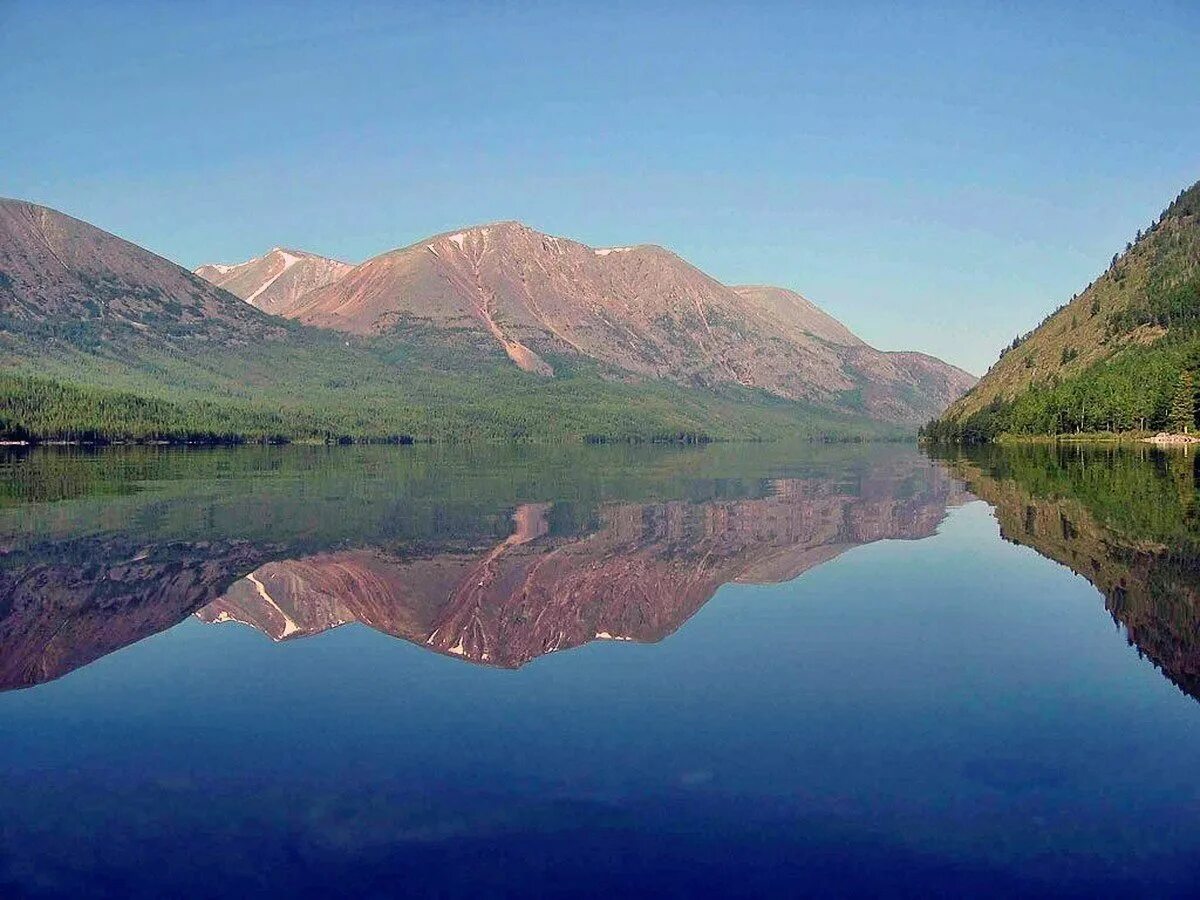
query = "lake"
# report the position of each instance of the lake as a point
(494, 671)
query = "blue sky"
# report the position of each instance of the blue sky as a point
(938, 176)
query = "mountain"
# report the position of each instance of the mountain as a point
(101, 340)
(495, 333)
(276, 280)
(1110, 359)
(58, 270)
(641, 310)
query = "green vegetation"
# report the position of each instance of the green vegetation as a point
(1131, 392)
(1122, 356)
(1182, 415)
(92, 384)
(328, 496)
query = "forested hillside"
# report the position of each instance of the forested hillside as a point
(1122, 355)
(309, 385)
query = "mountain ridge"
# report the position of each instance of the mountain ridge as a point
(640, 309)
(102, 340)
(54, 266)
(275, 280)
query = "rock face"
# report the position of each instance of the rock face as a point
(54, 268)
(639, 309)
(276, 280)
(638, 576)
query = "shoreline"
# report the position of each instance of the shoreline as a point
(1157, 439)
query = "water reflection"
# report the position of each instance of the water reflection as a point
(637, 575)
(1125, 518)
(483, 574)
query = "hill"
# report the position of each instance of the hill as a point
(1113, 358)
(101, 340)
(640, 310)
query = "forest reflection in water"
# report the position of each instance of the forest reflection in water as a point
(503, 559)
(1124, 516)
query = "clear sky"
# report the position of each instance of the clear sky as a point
(938, 176)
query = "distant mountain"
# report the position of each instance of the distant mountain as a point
(1110, 359)
(102, 340)
(639, 309)
(58, 270)
(277, 279)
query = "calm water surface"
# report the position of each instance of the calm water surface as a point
(749, 671)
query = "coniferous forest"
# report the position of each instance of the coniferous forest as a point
(318, 387)
(1122, 356)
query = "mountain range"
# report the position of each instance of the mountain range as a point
(496, 331)
(639, 309)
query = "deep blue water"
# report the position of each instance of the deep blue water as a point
(935, 710)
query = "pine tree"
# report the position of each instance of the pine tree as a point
(1182, 416)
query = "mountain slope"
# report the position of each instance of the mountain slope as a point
(56, 269)
(641, 310)
(103, 340)
(1112, 357)
(277, 279)
(799, 313)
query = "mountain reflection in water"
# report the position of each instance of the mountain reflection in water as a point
(566, 572)
(938, 712)
(502, 572)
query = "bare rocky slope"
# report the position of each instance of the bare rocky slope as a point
(640, 309)
(57, 269)
(277, 279)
